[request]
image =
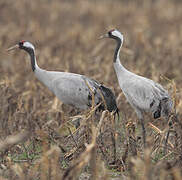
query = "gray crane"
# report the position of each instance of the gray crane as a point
(143, 94)
(72, 89)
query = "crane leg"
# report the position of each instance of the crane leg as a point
(141, 119)
(143, 131)
(167, 136)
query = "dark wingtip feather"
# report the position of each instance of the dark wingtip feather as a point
(109, 99)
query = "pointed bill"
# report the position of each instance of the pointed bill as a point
(13, 47)
(104, 36)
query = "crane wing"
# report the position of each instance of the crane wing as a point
(71, 89)
(142, 93)
(76, 90)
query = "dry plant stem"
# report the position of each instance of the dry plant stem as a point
(132, 146)
(101, 150)
(99, 133)
(103, 99)
(93, 101)
(114, 136)
(162, 133)
(92, 110)
(73, 171)
(86, 156)
(166, 141)
(174, 110)
(125, 155)
(92, 92)
(93, 164)
(95, 134)
(114, 146)
(72, 137)
(93, 97)
(100, 122)
(131, 139)
(55, 163)
(167, 155)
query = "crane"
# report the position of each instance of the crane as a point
(143, 94)
(72, 89)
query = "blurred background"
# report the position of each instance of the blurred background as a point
(65, 34)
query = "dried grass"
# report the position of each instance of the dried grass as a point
(44, 139)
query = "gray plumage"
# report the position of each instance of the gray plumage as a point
(143, 94)
(72, 89)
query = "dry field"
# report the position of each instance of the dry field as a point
(39, 136)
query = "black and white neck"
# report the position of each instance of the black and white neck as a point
(33, 59)
(118, 37)
(117, 51)
(29, 48)
(44, 76)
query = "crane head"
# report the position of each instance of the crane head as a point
(114, 34)
(25, 45)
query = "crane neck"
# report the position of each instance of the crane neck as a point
(117, 62)
(33, 60)
(41, 74)
(117, 51)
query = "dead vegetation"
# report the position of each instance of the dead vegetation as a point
(44, 139)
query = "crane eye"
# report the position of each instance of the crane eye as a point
(110, 32)
(21, 43)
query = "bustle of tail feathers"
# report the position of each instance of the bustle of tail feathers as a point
(164, 108)
(107, 94)
(109, 99)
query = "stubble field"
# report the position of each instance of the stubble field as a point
(39, 136)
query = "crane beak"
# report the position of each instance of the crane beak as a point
(104, 36)
(13, 47)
